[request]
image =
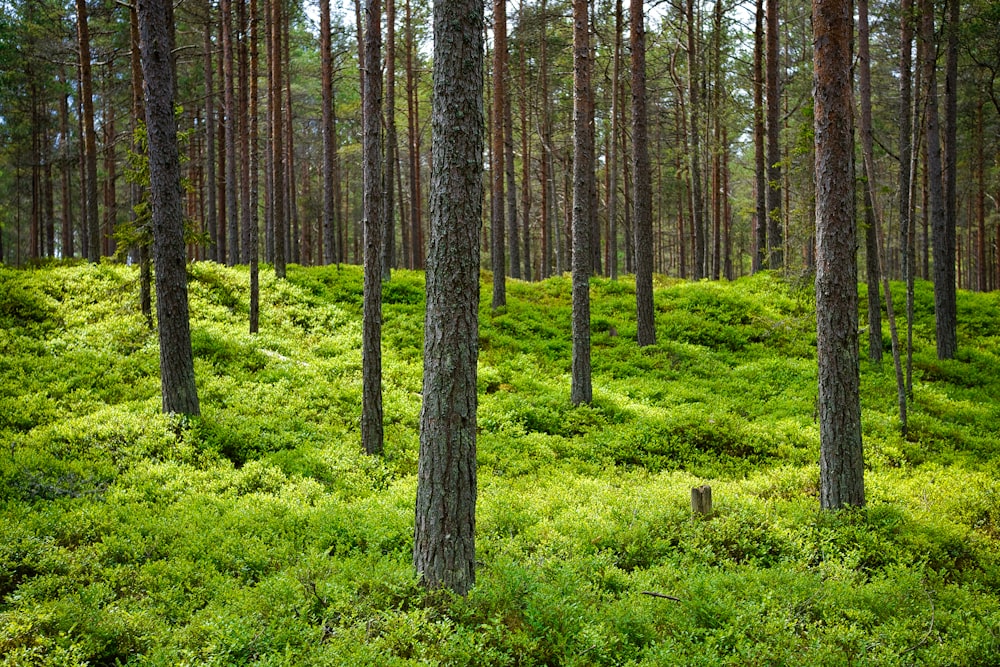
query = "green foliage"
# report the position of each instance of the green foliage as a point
(260, 533)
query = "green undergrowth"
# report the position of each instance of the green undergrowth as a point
(259, 533)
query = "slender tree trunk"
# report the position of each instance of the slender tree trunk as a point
(498, 259)
(389, 205)
(642, 217)
(371, 405)
(93, 247)
(180, 394)
(525, 150)
(254, 249)
(279, 218)
(444, 537)
(944, 257)
(841, 453)
(326, 74)
(66, 166)
(982, 283)
(871, 239)
(508, 149)
(613, 145)
(211, 220)
(229, 119)
(775, 239)
(242, 111)
(760, 159)
(583, 181)
(945, 306)
(906, 175)
(694, 109)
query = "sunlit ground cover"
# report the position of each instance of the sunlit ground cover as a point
(259, 533)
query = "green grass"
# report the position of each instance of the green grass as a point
(260, 534)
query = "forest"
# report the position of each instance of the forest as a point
(560, 364)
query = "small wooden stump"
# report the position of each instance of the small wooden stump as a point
(701, 500)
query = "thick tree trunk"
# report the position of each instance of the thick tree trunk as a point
(176, 361)
(444, 536)
(642, 218)
(583, 181)
(841, 454)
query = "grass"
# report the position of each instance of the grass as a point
(259, 533)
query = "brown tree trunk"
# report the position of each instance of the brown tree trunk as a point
(498, 259)
(180, 394)
(694, 109)
(642, 218)
(254, 249)
(945, 306)
(871, 240)
(759, 260)
(841, 454)
(92, 224)
(326, 74)
(371, 352)
(583, 181)
(229, 121)
(775, 238)
(278, 211)
(616, 113)
(444, 537)
(389, 184)
(525, 151)
(211, 215)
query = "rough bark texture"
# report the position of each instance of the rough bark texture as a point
(389, 184)
(279, 224)
(760, 161)
(210, 176)
(841, 453)
(871, 240)
(642, 218)
(371, 352)
(498, 259)
(775, 238)
(253, 250)
(326, 74)
(583, 179)
(229, 118)
(91, 225)
(945, 307)
(176, 361)
(444, 537)
(613, 147)
(944, 252)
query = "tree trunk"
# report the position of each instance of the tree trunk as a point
(254, 250)
(229, 119)
(945, 306)
(279, 220)
(326, 74)
(906, 175)
(176, 361)
(760, 160)
(525, 151)
(444, 536)
(508, 149)
(93, 247)
(944, 255)
(583, 181)
(498, 259)
(211, 215)
(242, 112)
(775, 238)
(871, 240)
(389, 184)
(371, 353)
(613, 145)
(841, 454)
(694, 109)
(642, 218)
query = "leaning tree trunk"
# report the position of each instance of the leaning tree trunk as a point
(176, 360)
(841, 454)
(444, 536)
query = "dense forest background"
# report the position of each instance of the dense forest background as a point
(252, 107)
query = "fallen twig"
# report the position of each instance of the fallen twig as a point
(662, 595)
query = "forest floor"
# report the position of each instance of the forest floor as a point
(259, 533)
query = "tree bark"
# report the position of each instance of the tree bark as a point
(498, 259)
(92, 225)
(871, 240)
(229, 119)
(759, 259)
(279, 222)
(642, 217)
(583, 181)
(775, 238)
(389, 184)
(180, 394)
(254, 249)
(945, 306)
(841, 453)
(694, 109)
(444, 535)
(371, 353)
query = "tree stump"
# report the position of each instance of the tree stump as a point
(701, 500)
